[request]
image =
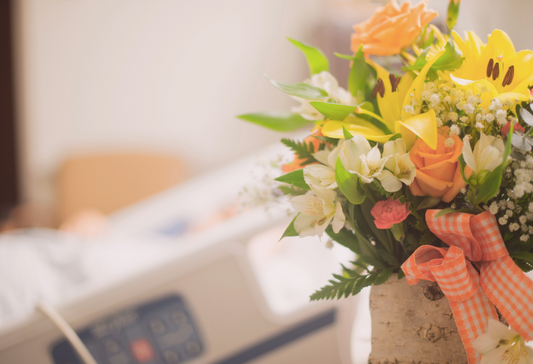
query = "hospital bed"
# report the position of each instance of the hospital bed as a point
(213, 299)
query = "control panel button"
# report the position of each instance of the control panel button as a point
(171, 357)
(179, 317)
(192, 347)
(112, 346)
(142, 350)
(157, 327)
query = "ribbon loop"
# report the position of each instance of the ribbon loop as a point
(452, 275)
(474, 238)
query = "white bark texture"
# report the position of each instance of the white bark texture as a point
(413, 325)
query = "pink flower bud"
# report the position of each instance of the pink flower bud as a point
(389, 212)
(516, 127)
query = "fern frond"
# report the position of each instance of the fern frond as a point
(302, 150)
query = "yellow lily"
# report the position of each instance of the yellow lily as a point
(495, 68)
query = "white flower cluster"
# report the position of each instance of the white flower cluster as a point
(460, 106)
(516, 208)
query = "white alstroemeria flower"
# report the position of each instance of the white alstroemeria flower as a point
(399, 167)
(328, 83)
(502, 345)
(317, 210)
(321, 175)
(526, 115)
(487, 155)
(358, 157)
(522, 141)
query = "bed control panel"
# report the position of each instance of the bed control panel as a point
(159, 332)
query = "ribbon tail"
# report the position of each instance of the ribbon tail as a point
(472, 316)
(507, 286)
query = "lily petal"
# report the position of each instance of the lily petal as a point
(423, 126)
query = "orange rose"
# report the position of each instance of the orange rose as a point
(391, 28)
(297, 162)
(437, 171)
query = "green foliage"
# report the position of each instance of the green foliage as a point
(316, 59)
(453, 13)
(345, 238)
(295, 178)
(278, 121)
(428, 202)
(344, 286)
(290, 230)
(490, 187)
(346, 132)
(449, 61)
(302, 150)
(292, 190)
(358, 75)
(462, 166)
(348, 184)
(344, 56)
(303, 90)
(333, 111)
(524, 260)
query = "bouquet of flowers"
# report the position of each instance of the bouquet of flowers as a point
(424, 169)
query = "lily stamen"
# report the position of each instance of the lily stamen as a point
(394, 81)
(489, 67)
(496, 71)
(508, 79)
(379, 89)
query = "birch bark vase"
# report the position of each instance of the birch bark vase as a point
(413, 324)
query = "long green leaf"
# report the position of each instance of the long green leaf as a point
(333, 111)
(345, 238)
(383, 276)
(316, 59)
(295, 178)
(348, 184)
(358, 75)
(490, 187)
(462, 166)
(302, 90)
(278, 121)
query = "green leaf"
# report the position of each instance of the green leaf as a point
(462, 166)
(449, 210)
(380, 235)
(346, 132)
(290, 230)
(333, 111)
(295, 178)
(428, 202)
(446, 211)
(344, 56)
(450, 60)
(401, 274)
(526, 256)
(348, 184)
(419, 63)
(490, 187)
(316, 59)
(302, 90)
(278, 121)
(358, 75)
(395, 136)
(292, 191)
(345, 238)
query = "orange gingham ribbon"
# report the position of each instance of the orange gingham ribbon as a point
(472, 295)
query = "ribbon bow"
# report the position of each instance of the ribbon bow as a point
(472, 295)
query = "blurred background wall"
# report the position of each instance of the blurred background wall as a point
(170, 75)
